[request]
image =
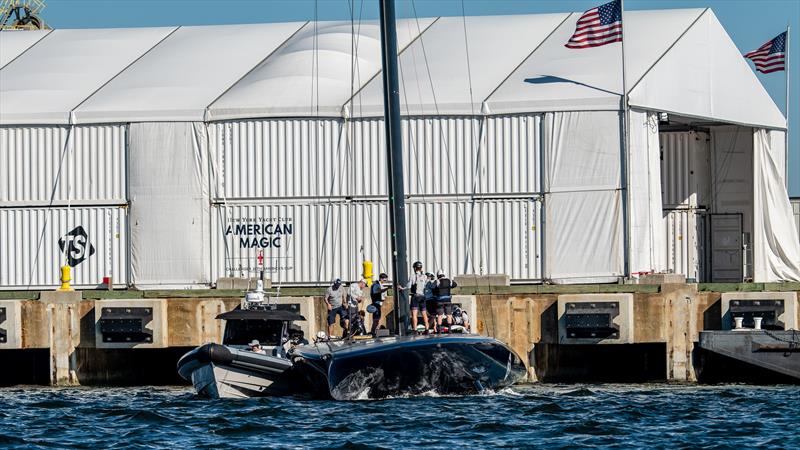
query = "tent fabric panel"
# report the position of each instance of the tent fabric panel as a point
(648, 238)
(776, 245)
(176, 81)
(583, 236)
(705, 76)
(435, 77)
(14, 43)
(169, 210)
(582, 151)
(293, 82)
(58, 74)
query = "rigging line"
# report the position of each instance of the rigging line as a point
(475, 139)
(67, 142)
(413, 145)
(445, 146)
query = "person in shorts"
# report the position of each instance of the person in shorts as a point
(416, 286)
(442, 292)
(334, 297)
(377, 294)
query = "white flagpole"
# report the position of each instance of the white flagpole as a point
(626, 227)
(786, 149)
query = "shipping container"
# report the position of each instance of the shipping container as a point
(35, 242)
(44, 165)
(330, 158)
(685, 169)
(314, 242)
(685, 252)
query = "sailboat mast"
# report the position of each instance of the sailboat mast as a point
(394, 150)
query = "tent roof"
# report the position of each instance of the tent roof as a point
(177, 80)
(293, 82)
(13, 43)
(679, 61)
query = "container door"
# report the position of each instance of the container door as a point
(725, 232)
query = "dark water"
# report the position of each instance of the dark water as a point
(545, 416)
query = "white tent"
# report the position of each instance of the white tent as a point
(13, 44)
(496, 110)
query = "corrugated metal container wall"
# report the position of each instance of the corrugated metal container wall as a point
(324, 158)
(328, 240)
(32, 239)
(685, 243)
(685, 170)
(796, 210)
(277, 158)
(92, 171)
(299, 242)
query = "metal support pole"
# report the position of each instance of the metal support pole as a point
(626, 226)
(786, 149)
(394, 150)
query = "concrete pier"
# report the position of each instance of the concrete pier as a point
(564, 333)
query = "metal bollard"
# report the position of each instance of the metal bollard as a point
(367, 272)
(66, 277)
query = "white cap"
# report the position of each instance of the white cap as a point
(440, 273)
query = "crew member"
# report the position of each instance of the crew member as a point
(333, 299)
(442, 292)
(377, 293)
(460, 318)
(416, 285)
(430, 301)
(355, 295)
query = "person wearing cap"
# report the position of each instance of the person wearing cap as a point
(377, 294)
(255, 347)
(430, 301)
(444, 296)
(416, 286)
(334, 297)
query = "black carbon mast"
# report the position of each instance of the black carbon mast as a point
(394, 150)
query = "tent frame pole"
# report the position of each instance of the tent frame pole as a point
(624, 163)
(786, 145)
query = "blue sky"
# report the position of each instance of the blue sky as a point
(750, 23)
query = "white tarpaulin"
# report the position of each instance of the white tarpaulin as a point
(177, 79)
(582, 151)
(169, 204)
(776, 251)
(644, 164)
(583, 218)
(56, 75)
(13, 43)
(583, 237)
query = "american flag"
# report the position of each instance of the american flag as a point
(770, 57)
(598, 26)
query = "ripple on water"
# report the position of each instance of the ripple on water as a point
(600, 416)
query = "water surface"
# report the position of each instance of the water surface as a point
(541, 416)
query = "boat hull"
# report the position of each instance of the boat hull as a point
(217, 371)
(416, 365)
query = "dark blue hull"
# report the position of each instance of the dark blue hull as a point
(406, 366)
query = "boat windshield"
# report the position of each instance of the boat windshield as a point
(242, 332)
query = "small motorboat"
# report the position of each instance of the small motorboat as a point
(232, 369)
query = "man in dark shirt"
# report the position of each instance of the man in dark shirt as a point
(377, 293)
(444, 297)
